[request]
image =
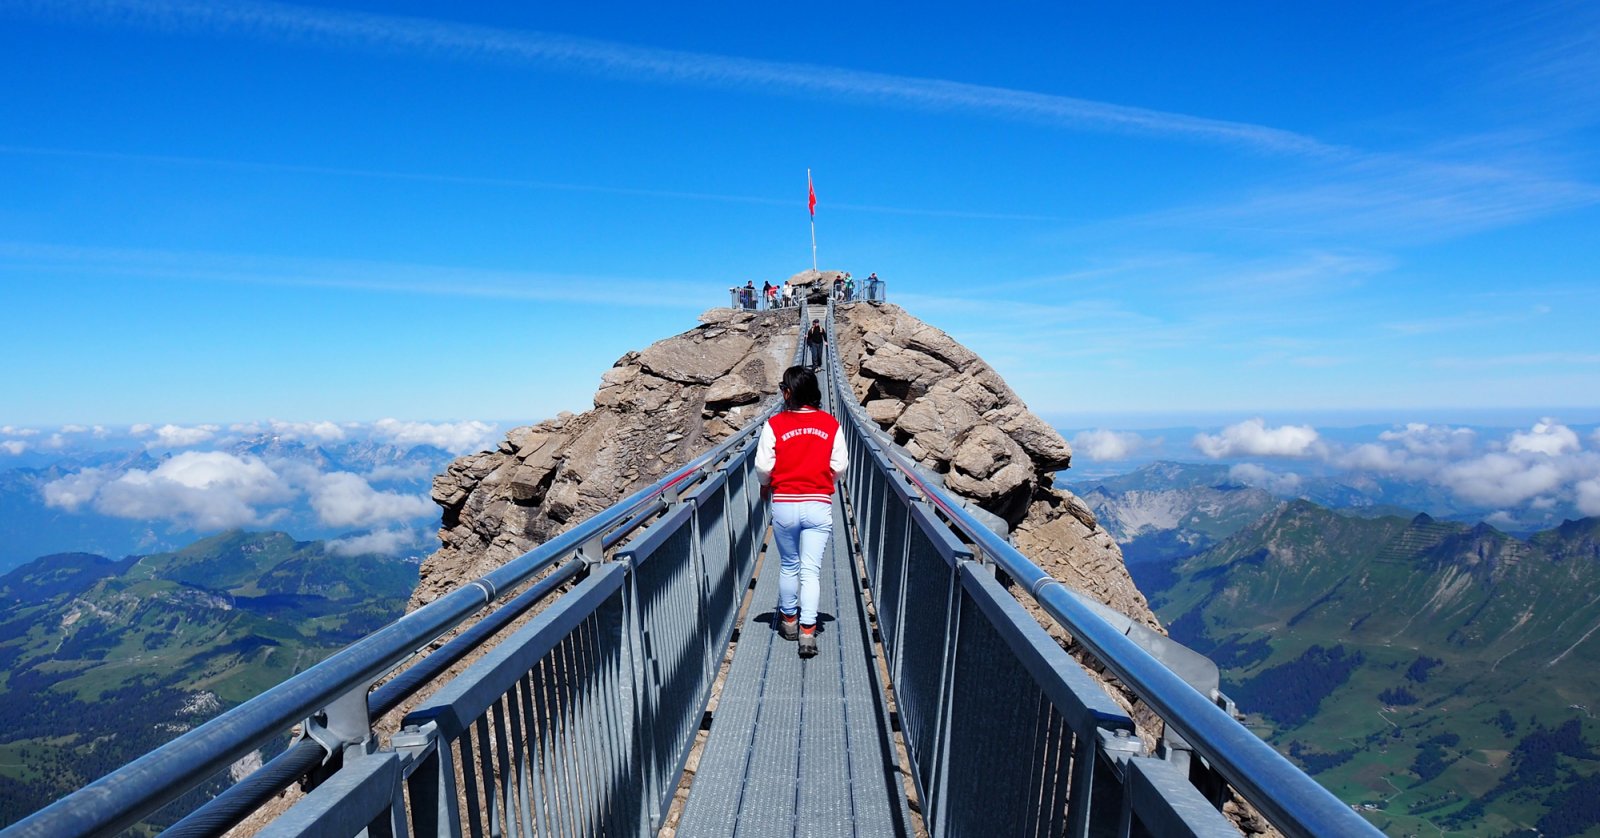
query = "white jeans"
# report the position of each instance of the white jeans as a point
(801, 531)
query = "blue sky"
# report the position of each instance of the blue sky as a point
(232, 211)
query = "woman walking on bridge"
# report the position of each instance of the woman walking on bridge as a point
(798, 457)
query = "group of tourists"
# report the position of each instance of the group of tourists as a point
(768, 296)
(783, 295)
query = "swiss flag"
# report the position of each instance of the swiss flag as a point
(811, 196)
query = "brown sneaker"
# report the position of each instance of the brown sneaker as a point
(808, 641)
(788, 625)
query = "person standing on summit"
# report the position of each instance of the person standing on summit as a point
(814, 340)
(798, 457)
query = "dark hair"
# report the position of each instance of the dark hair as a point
(802, 390)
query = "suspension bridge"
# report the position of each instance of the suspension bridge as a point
(649, 692)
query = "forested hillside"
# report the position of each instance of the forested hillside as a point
(1439, 672)
(102, 660)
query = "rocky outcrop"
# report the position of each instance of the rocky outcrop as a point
(956, 415)
(655, 410)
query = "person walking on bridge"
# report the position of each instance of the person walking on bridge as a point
(814, 340)
(798, 458)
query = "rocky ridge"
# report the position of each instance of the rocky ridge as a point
(654, 411)
(956, 416)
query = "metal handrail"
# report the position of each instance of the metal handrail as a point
(120, 799)
(1290, 799)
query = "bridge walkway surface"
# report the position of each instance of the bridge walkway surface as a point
(801, 747)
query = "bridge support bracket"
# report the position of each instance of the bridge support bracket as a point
(1176, 750)
(414, 743)
(593, 551)
(1118, 746)
(342, 728)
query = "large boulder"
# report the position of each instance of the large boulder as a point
(949, 409)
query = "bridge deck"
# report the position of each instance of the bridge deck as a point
(801, 747)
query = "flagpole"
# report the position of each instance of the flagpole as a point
(811, 197)
(813, 243)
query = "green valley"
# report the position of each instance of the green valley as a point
(1438, 674)
(101, 660)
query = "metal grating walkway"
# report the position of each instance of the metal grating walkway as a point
(798, 747)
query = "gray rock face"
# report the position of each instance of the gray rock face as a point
(654, 411)
(957, 417)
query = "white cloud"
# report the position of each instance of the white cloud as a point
(200, 490)
(13, 446)
(1372, 457)
(324, 431)
(1101, 444)
(1501, 480)
(12, 430)
(1250, 474)
(1547, 437)
(1432, 440)
(72, 491)
(455, 437)
(1414, 450)
(1501, 518)
(382, 543)
(399, 472)
(140, 429)
(1252, 438)
(74, 429)
(342, 499)
(1588, 496)
(1544, 469)
(175, 436)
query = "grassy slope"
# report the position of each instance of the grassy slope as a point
(123, 654)
(1503, 617)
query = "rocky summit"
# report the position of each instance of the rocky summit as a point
(655, 410)
(658, 408)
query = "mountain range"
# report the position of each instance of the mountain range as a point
(103, 659)
(1169, 510)
(1437, 673)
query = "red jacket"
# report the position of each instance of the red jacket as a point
(799, 454)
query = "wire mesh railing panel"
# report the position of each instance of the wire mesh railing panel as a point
(719, 567)
(536, 748)
(869, 502)
(742, 515)
(1010, 748)
(925, 637)
(890, 582)
(674, 654)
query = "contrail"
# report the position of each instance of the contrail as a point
(497, 182)
(280, 22)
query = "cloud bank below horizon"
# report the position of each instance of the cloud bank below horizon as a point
(1547, 467)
